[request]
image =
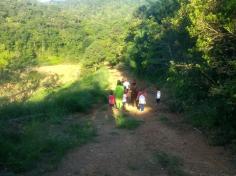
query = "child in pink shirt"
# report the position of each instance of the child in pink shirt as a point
(111, 99)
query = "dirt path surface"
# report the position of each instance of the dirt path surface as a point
(119, 152)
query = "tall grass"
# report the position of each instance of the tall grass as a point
(33, 133)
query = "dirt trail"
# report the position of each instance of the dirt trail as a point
(117, 152)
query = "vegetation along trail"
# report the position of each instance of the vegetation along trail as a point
(59, 59)
(161, 145)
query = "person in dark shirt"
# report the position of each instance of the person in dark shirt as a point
(133, 93)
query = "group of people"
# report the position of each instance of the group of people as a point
(128, 93)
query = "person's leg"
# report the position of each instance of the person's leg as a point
(119, 103)
(132, 101)
(128, 101)
(137, 104)
(142, 107)
(124, 106)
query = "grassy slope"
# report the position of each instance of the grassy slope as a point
(38, 131)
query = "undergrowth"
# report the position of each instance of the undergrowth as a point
(37, 134)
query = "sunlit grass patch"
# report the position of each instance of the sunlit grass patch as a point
(39, 95)
(172, 164)
(79, 96)
(49, 59)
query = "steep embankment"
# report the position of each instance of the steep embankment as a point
(158, 147)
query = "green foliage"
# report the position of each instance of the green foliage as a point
(191, 45)
(34, 33)
(38, 133)
(77, 97)
(74, 30)
(40, 141)
(90, 90)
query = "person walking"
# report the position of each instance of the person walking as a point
(111, 99)
(139, 92)
(124, 100)
(158, 95)
(133, 93)
(119, 91)
(142, 102)
(126, 84)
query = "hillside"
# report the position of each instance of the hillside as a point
(60, 59)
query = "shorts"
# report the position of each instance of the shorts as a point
(158, 100)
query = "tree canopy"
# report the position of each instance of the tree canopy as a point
(190, 45)
(91, 31)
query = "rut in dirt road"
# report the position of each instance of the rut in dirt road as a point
(119, 152)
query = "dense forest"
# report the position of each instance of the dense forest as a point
(40, 33)
(186, 47)
(191, 46)
(33, 34)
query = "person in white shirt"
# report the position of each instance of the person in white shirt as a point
(158, 96)
(126, 84)
(142, 102)
(124, 99)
